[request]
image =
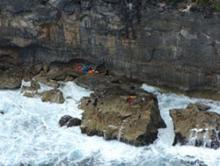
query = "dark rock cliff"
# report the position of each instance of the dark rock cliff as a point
(146, 40)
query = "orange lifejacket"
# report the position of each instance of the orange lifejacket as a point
(91, 71)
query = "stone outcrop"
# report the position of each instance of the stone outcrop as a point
(117, 112)
(69, 121)
(10, 79)
(103, 83)
(149, 40)
(195, 126)
(53, 96)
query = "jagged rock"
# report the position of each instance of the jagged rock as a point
(69, 121)
(195, 126)
(53, 96)
(32, 90)
(114, 117)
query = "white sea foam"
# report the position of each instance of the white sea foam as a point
(29, 134)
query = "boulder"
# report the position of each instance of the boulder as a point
(53, 96)
(69, 121)
(64, 120)
(74, 122)
(114, 116)
(195, 126)
(32, 90)
(10, 79)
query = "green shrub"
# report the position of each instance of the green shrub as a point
(202, 2)
(216, 6)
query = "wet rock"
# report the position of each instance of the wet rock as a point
(114, 117)
(64, 120)
(69, 121)
(195, 126)
(53, 96)
(45, 80)
(32, 90)
(74, 122)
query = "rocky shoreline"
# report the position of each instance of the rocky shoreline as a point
(119, 109)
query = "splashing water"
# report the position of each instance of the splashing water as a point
(30, 135)
(120, 132)
(208, 137)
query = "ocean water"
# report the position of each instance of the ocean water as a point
(30, 135)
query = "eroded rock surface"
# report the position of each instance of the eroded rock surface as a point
(195, 126)
(158, 42)
(117, 112)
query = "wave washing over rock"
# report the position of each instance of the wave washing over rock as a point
(30, 135)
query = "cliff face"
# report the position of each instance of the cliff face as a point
(154, 43)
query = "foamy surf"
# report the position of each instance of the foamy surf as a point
(30, 135)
